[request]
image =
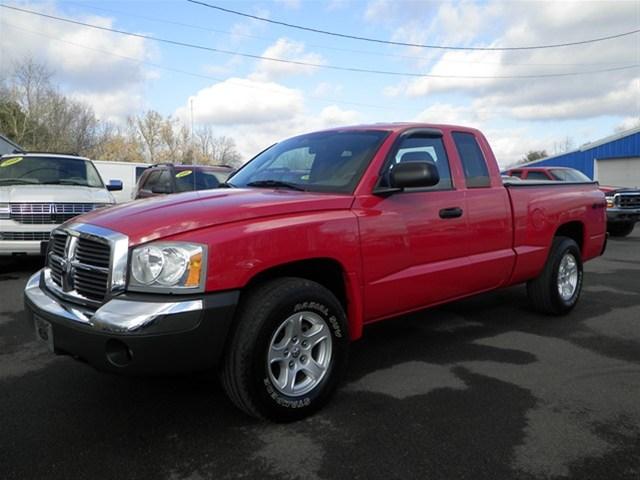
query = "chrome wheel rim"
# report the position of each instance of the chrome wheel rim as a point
(567, 276)
(299, 354)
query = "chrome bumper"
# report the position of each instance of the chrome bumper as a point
(116, 316)
(623, 214)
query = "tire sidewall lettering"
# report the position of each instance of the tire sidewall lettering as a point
(337, 331)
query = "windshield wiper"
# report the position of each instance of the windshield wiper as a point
(18, 181)
(275, 183)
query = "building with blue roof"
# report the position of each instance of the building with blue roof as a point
(614, 160)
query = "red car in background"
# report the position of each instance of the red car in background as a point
(623, 204)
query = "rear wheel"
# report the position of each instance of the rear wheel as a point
(620, 229)
(557, 289)
(288, 351)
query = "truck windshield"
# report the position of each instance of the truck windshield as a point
(318, 162)
(36, 170)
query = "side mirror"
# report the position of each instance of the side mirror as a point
(414, 174)
(161, 189)
(114, 185)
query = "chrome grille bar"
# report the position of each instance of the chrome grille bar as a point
(48, 213)
(86, 264)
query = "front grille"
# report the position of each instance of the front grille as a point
(628, 201)
(25, 236)
(93, 253)
(80, 265)
(48, 213)
(90, 283)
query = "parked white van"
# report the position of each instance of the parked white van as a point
(127, 172)
(39, 191)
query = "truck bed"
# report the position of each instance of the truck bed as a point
(538, 207)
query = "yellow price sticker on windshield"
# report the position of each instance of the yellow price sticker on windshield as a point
(11, 161)
(184, 173)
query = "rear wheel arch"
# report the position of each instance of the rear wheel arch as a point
(573, 230)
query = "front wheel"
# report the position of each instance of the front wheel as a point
(288, 351)
(620, 229)
(557, 289)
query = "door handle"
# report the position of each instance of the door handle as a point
(453, 212)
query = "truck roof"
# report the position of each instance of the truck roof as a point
(400, 126)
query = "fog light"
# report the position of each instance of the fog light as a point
(118, 354)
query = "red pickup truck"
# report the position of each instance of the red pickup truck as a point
(623, 204)
(270, 278)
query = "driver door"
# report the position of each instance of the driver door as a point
(414, 242)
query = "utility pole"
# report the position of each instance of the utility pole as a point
(192, 147)
(191, 107)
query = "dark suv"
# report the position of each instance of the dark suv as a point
(168, 178)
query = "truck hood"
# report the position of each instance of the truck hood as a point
(160, 217)
(53, 194)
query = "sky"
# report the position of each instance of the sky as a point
(258, 101)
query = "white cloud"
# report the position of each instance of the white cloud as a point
(112, 106)
(585, 96)
(451, 114)
(242, 101)
(252, 139)
(286, 49)
(259, 113)
(78, 57)
(628, 123)
(333, 116)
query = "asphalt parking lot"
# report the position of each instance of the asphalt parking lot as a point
(483, 388)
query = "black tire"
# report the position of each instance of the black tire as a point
(245, 375)
(620, 229)
(543, 290)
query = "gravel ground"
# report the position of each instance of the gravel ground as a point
(482, 388)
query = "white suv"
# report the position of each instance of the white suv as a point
(39, 191)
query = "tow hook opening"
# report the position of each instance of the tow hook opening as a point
(118, 353)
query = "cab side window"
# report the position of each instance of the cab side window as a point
(421, 148)
(474, 165)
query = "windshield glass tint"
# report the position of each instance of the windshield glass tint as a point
(321, 162)
(48, 171)
(570, 175)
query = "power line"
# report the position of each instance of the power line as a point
(316, 65)
(404, 44)
(312, 98)
(193, 74)
(337, 49)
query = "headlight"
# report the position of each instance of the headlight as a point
(174, 266)
(610, 202)
(4, 211)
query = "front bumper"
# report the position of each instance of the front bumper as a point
(623, 214)
(21, 247)
(139, 333)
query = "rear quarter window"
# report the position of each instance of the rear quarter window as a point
(473, 163)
